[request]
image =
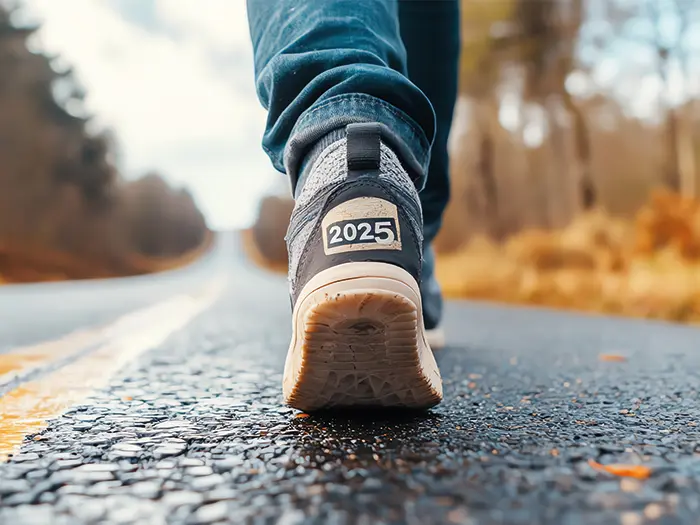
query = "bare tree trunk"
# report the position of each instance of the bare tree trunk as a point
(686, 158)
(672, 176)
(558, 180)
(486, 169)
(540, 199)
(588, 196)
(685, 140)
(693, 119)
(690, 145)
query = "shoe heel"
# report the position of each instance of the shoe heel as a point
(358, 340)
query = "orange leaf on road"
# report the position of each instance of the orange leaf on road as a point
(613, 358)
(622, 469)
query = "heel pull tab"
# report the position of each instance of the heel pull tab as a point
(363, 148)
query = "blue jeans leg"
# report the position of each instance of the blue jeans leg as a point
(323, 64)
(431, 34)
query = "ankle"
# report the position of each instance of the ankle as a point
(311, 157)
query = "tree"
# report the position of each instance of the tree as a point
(484, 26)
(59, 188)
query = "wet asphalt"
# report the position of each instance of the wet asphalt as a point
(194, 432)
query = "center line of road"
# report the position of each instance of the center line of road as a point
(26, 409)
(25, 361)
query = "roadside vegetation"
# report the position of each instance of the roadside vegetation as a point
(575, 159)
(65, 210)
(648, 267)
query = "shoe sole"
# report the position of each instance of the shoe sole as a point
(436, 338)
(358, 340)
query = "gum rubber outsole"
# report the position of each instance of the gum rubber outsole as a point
(358, 341)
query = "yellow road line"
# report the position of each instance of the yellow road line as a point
(27, 409)
(24, 360)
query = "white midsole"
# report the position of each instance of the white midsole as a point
(348, 278)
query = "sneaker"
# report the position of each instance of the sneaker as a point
(432, 301)
(354, 242)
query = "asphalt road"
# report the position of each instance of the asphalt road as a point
(193, 431)
(37, 312)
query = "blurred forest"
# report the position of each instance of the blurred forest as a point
(569, 105)
(65, 212)
(575, 158)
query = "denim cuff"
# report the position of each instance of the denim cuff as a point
(400, 132)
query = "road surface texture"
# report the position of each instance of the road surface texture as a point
(192, 430)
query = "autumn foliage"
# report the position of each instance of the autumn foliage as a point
(65, 211)
(647, 267)
(558, 205)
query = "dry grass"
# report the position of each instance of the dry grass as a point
(649, 267)
(21, 264)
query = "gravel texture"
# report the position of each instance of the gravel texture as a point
(194, 431)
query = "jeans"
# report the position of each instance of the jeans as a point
(323, 64)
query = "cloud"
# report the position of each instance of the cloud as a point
(219, 24)
(172, 106)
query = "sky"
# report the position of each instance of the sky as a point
(174, 82)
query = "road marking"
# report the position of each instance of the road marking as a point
(28, 408)
(23, 361)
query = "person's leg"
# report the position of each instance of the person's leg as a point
(323, 64)
(354, 134)
(430, 30)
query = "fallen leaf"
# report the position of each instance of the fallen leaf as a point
(622, 469)
(613, 358)
(301, 416)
